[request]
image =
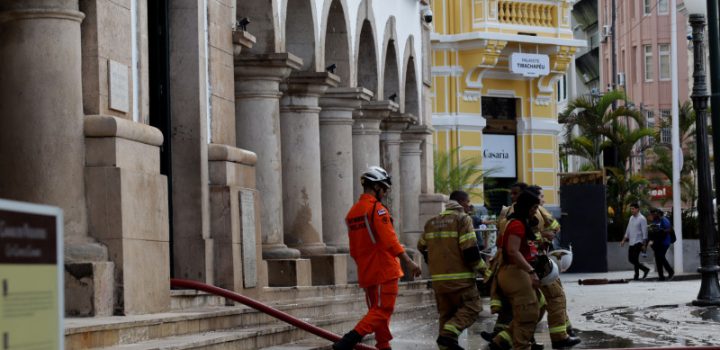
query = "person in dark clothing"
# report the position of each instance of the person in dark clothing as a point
(659, 237)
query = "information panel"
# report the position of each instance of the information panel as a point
(31, 276)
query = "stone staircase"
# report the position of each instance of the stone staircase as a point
(202, 321)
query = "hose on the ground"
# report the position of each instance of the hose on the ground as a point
(285, 317)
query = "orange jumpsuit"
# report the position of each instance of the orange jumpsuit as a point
(375, 248)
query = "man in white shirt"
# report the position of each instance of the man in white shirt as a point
(636, 234)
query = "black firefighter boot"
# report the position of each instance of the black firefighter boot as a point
(348, 341)
(448, 343)
(566, 343)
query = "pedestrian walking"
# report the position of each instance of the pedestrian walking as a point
(516, 277)
(449, 246)
(375, 248)
(659, 241)
(637, 236)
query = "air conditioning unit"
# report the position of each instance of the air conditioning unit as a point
(621, 79)
(606, 31)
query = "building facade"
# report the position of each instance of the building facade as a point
(643, 59)
(215, 140)
(498, 75)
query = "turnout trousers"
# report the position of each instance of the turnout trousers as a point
(458, 310)
(516, 286)
(556, 310)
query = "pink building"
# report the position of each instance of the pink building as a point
(642, 36)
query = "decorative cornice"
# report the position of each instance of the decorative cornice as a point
(56, 13)
(462, 121)
(110, 126)
(538, 126)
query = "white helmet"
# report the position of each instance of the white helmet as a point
(562, 257)
(552, 275)
(376, 174)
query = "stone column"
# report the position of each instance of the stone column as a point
(300, 130)
(366, 137)
(42, 145)
(390, 140)
(410, 177)
(257, 113)
(336, 151)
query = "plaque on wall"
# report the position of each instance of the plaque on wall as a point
(118, 86)
(247, 222)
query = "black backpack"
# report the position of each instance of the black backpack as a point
(673, 237)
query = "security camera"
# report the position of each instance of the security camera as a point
(428, 15)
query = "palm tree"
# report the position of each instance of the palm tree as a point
(597, 123)
(455, 173)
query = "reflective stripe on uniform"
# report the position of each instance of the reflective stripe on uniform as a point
(452, 276)
(447, 212)
(480, 265)
(541, 299)
(555, 225)
(558, 329)
(451, 328)
(440, 234)
(501, 326)
(505, 336)
(370, 231)
(467, 236)
(495, 302)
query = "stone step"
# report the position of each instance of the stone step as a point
(266, 337)
(109, 331)
(183, 299)
(299, 293)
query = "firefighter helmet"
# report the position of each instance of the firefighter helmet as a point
(376, 174)
(563, 258)
(551, 275)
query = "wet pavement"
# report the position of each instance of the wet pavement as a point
(626, 315)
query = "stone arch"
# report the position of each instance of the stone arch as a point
(365, 48)
(391, 72)
(299, 32)
(264, 24)
(335, 40)
(411, 101)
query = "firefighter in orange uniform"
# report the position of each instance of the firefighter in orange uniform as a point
(375, 248)
(449, 245)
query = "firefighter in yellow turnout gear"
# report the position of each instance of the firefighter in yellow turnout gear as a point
(553, 295)
(449, 246)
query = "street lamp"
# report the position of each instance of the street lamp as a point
(709, 288)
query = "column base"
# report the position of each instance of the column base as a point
(314, 249)
(341, 249)
(328, 270)
(279, 251)
(289, 272)
(89, 289)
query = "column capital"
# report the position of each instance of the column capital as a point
(312, 84)
(242, 39)
(418, 132)
(345, 98)
(397, 122)
(273, 66)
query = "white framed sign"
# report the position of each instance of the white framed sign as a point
(499, 158)
(529, 64)
(31, 276)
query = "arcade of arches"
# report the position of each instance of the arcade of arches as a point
(214, 140)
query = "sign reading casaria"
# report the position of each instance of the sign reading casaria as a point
(529, 64)
(499, 155)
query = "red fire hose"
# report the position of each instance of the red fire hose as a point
(180, 283)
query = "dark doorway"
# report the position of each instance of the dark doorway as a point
(584, 226)
(500, 114)
(159, 91)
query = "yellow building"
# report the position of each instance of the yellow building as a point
(499, 84)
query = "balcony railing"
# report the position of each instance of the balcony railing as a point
(527, 13)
